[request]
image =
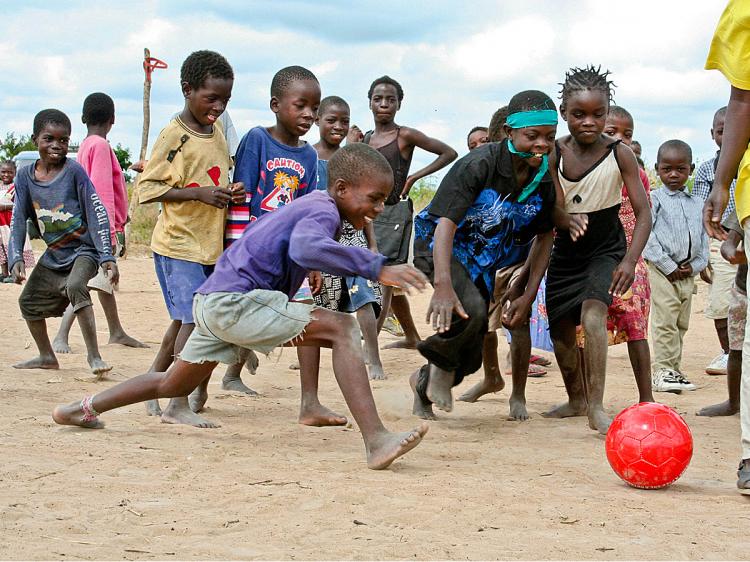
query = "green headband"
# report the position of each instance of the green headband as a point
(534, 118)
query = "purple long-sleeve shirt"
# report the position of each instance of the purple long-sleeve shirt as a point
(277, 251)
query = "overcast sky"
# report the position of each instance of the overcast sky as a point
(457, 61)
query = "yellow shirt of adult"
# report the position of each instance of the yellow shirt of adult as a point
(730, 54)
(183, 159)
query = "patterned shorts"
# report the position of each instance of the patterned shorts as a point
(737, 318)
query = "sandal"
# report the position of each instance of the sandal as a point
(535, 371)
(540, 360)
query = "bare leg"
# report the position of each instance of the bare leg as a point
(368, 324)
(87, 323)
(232, 377)
(311, 411)
(60, 343)
(387, 294)
(179, 380)
(46, 358)
(116, 331)
(493, 378)
(640, 360)
(439, 388)
(720, 324)
(402, 311)
(520, 352)
(563, 335)
(594, 320)
(162, 361)
(340, 332)
(422, 405)
(734, 378)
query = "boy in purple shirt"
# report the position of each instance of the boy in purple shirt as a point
(245, 303)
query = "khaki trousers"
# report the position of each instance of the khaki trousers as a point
(670, 318)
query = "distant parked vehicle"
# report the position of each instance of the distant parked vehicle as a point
(30, 156)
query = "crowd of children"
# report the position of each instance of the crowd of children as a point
(559, 240)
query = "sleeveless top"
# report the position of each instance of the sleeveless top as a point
(399, 165)
(600, 187)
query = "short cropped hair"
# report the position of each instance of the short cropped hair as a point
(50, 116)
(329, 101)
(355, 161)
(386, 80)
(474, 130)
(721, 112)
(530, 100)
(7, 163)
(201, 65)
(495, 130)
(621, 112)
(98, 109)
(677, 146)
(286, 76)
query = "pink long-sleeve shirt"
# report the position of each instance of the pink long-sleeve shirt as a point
(100, 163)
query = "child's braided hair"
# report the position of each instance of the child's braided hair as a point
(588, 78)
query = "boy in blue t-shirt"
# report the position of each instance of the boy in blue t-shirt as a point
(486, 236)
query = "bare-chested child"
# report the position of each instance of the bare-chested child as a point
(484, 238)
(397, 144)
(587, 269)
(245, 303)
(56, 193)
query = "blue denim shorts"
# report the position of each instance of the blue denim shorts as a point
(179, 279)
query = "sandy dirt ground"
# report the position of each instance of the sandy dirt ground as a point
(264, 487)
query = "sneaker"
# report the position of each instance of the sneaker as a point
(743, 477)
(393, 326)
(667, 380)
(718, 366)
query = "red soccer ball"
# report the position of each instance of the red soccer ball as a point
(649, 445)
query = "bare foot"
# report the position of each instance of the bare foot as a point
(422, 406)
(599, 420)
(402, 344)
(487, 385)
(61, 346)
(98, 366)
(126, 340)
(386, 448)
(153, 408)
(375, 373)
(183, 415)
(197, 399)
(518, 409)
(41, 362)
(723, 409)
(439, 388)
(251, 363)
(235, 384)
(317, 415)
(566, 410)
(73, 415)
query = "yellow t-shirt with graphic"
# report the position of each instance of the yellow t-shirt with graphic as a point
(730, 54)
(183, 159)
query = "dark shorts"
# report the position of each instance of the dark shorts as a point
(49, 291)
(179, 280)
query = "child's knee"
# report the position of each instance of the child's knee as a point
(347, 329)
(78, 293)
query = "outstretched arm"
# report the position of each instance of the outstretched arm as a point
(445, 153)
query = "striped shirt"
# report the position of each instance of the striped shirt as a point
(677, 234)
(704, 181)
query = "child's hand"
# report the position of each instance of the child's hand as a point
(403, 276)
(732, 253)
(577, 225)
(18, 272)
(686, 271)
(315, 279)
(355, 135)
(218, 197)
(516, 312)
(706, 276)
(112, 273)
(138, 166)
(622, 278)
(407, 186)
(238, 192)
(442, 304)
(713, 209)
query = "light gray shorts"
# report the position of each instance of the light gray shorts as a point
(260, 320)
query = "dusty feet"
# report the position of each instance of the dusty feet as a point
(235, 384)
(41, 362)
(197, 399)
(72, 414)
(518, 409)
(402, 344)
(153, 408)
(422, 406)
(252, 363)
(317, 415)
(61, 346)
(387, 447)
(126, 340)
(723, 409)
(178, 411)
(439, 388)
(376, 373)
(567, 410)
(599, 420)
(98, 366)
(487, 385)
